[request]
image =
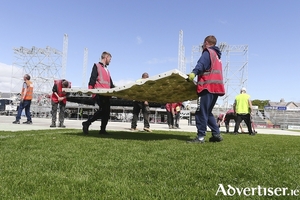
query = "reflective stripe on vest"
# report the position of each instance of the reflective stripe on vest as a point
(103, 79)
(212, 80)
(28, 95)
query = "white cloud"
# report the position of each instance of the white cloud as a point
(11, 78)
(223, 21)
(139, 40)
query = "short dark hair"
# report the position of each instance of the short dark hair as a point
(212, 40)
(145, 75)
(27, 76)
(105, 54)
(65, 83)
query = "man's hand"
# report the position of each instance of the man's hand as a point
(191, 76)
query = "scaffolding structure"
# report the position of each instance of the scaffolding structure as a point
(235, 69)
(44, 65)
(64, 56)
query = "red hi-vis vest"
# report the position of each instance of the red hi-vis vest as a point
(59, 92)
(103, 79)
(212, 79)
(29, 92)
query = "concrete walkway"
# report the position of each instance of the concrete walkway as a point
(44, 124)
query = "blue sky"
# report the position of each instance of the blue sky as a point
(142, 36)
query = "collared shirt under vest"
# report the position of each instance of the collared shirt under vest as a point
(212, 80)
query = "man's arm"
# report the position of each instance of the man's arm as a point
(223, 118)
(234, 107)
(111, 83)
(93, 78)
(250, 105)
(55, 90)
(25, 91)
(203, 64)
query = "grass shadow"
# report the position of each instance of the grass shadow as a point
(142, 135)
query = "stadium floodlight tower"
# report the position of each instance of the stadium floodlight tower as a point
(64, 56)
(181, 52)
(235, 69)
(44, 65)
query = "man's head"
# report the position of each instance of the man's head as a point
(26, 77)
(145, 75)
(243, 90)
(106, 58)
(65, 84)
(209, 41)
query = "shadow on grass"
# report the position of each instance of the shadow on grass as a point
(142, 135)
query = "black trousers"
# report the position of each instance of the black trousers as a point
(103, 112)
(247, 120)
(137, 107)
(170, 118)
(61, 116)
(176, 120)
(227, 119)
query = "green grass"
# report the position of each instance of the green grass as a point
(65, 164)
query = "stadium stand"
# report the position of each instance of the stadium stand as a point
(283, 113)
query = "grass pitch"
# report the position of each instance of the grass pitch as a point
(65, 164)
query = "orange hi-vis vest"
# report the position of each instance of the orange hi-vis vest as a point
(60, 93)
(29, 92)
(212, 80)
(103, 79)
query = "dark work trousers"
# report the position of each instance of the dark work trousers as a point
(203, 115)
(103, 112)
(177, 117)
(170, 119)
(137, 107)
(61, 116)
(227, 119)
(239, 119)
(24, 105)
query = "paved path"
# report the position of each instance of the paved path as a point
(43, 124)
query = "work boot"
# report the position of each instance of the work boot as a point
(61, 125)
(53, 125)
(103, 132)
(216, 138)
(85, 127)
(147, 129)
